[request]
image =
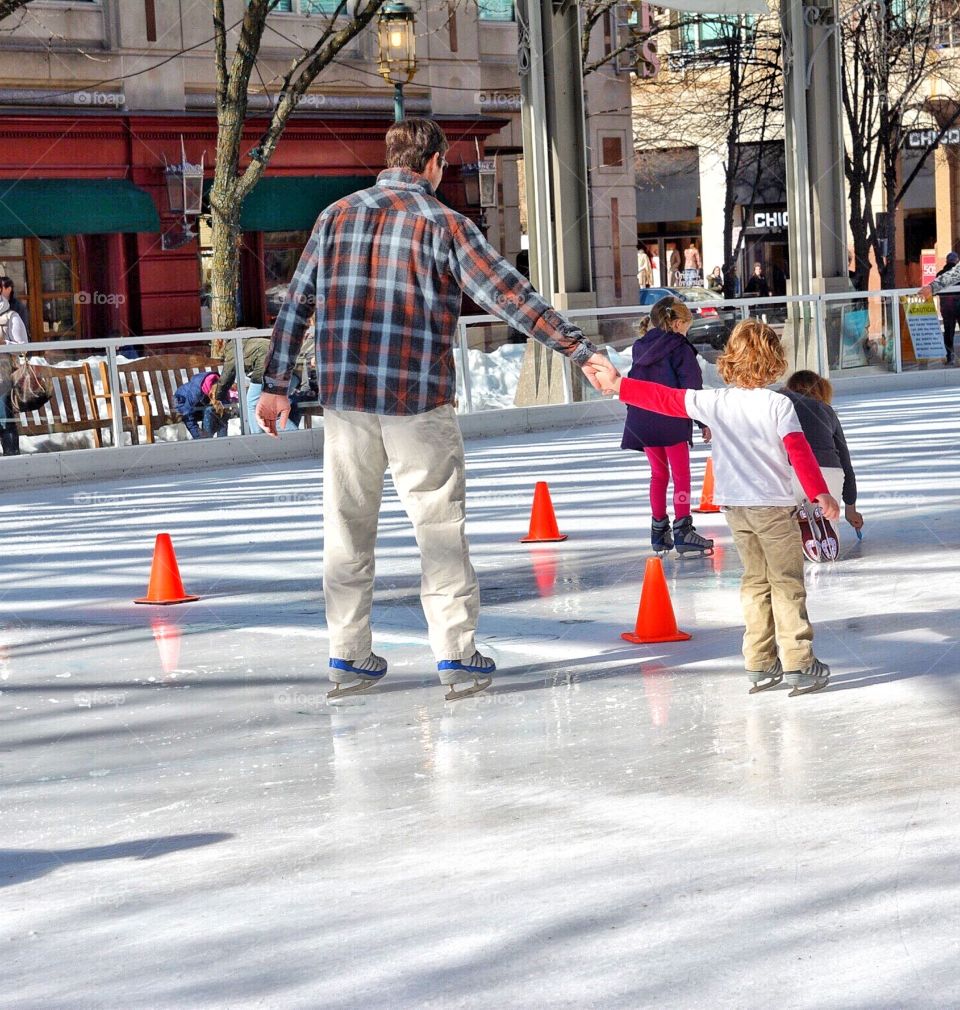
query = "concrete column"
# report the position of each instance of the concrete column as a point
(713, 181)
(945, 186)
(816, 188)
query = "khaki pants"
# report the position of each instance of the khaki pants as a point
(772, 592)
(425, 455)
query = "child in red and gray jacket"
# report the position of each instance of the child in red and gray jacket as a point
(756, 439)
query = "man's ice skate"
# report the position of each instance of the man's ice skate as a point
(817, 533)
(661, 539)
(763, 680)
(687, 540)
(814, 678)
(476, 669)
(351, 677)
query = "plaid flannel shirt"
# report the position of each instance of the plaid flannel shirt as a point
(384, 268)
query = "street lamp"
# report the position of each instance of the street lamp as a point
(184, 184)
(398, 49)
(480, 186)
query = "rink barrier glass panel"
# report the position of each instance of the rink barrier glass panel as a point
(118, 391)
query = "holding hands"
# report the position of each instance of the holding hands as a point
(600, 373)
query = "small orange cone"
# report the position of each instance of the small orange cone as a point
(655, 620)
(543, 523)
(165, 585)
(706, 495)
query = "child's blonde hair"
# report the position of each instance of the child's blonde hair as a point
(753, 356)
(664, 313)
(808, 383)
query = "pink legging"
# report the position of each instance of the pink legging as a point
(665, 460)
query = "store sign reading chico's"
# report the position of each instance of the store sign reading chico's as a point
(922, 139)
(771, 219)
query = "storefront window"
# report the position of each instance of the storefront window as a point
(495, 10)
(281, 254)
(45, 277)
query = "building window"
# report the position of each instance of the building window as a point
(699, 33)
(495, 10)
(307, 7)
(611, 152)
(281, 254)
(46, 279)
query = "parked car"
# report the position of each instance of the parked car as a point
(710, 325)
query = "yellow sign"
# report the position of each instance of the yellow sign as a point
(923, 327)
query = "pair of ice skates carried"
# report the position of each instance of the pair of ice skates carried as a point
(819, 538)
(356, 676)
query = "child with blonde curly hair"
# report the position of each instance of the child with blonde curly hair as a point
(756, 439)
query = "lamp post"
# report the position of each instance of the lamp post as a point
(398, 49)
(480, 186)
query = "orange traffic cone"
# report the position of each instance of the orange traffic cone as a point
(655, 620)
(165, 585)
(543, 523)
(706, 495)
(167, 637)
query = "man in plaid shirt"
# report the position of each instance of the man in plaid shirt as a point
(384, 270)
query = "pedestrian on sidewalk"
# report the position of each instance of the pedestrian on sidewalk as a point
(384, 269)
(756, 436)
(12, 331)
(949, 306)
(7, 291)
(663, 354)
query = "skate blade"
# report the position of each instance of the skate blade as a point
(765, 685)
(797, 691)
(478, 685)
(701, 552)
(360, 687)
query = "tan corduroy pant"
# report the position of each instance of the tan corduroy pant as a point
(772, 592)
(425, 456)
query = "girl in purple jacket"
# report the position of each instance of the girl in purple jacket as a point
(663, 354)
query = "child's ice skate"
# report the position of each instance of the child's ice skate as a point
(475, 669)
(817, 533)
(814, 678)
(763, 680)
(661, 539)
(352, 677)
(687, 540)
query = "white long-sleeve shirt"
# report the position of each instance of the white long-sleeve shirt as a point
(12, 330)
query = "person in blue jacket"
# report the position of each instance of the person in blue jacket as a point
(663, 354)
(196, 400)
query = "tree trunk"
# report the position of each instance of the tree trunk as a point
(225, 265)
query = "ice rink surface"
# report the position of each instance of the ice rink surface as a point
(188, 824)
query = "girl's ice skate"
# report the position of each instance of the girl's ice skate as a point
(814, 678)
(661, 540)
(351, 677)
(763, 680)
(475, 669)
(687, 540)
(817, 533)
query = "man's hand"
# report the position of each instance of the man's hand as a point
(853, 517)
(600, 373)
(706, 434)
(272, 411)
(831, 510)
(925, 292)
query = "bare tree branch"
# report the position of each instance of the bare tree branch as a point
(8, 7)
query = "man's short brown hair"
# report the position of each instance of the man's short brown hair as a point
(413, 142)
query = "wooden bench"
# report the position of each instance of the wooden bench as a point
(74, 405)
(147, 387)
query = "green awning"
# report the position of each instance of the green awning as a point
(293, 203)
(48, 207)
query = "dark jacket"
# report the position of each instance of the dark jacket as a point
(189, 399)
(823, 431)
(254, 357)
(757, 286)
(668, 358)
